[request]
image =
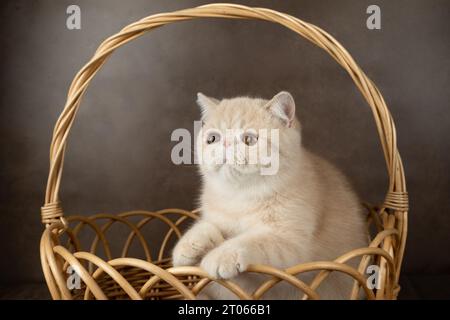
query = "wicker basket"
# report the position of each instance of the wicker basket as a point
(153, 277)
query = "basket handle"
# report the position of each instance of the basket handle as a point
(396, 197)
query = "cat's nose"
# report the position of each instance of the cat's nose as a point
(227, 142)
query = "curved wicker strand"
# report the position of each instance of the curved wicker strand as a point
(313, 266)
(113, 273)
(49, 278)
(142, 223)
(307, 267)
(52, 264)
(187, 270)
(99, 234)
(112, 219)
(366, 259)
(161, 273)
(82, 272)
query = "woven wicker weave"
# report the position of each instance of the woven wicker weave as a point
(152, 277)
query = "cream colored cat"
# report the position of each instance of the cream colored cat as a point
(305, 211)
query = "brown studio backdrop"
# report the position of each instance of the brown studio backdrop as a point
(119, 152)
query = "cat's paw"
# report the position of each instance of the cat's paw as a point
(224, 262)
(202, 296)
(195, 244)
(187, 253)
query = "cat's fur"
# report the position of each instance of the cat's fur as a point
(306, 212)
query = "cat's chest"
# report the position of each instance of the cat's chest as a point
(232, 225)
(233, 220)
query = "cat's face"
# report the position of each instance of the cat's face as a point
(244, 136)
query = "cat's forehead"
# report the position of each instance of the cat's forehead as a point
(243, 102)
(239, 112)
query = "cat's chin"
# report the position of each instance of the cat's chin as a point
(245, 170)
(233, 173)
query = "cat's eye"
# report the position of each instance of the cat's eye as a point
(213, 137)
(249, 138)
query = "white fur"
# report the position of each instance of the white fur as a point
(306, 212)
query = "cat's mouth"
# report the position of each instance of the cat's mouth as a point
(240, 169)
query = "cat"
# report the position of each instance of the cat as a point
(306, 211)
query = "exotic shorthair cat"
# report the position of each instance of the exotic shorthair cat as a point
(303, 211)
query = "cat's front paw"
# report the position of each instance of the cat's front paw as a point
(195, 244)
(187, 253)
(224, 262)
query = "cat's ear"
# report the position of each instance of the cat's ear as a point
(206, 103)
(282, 106)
